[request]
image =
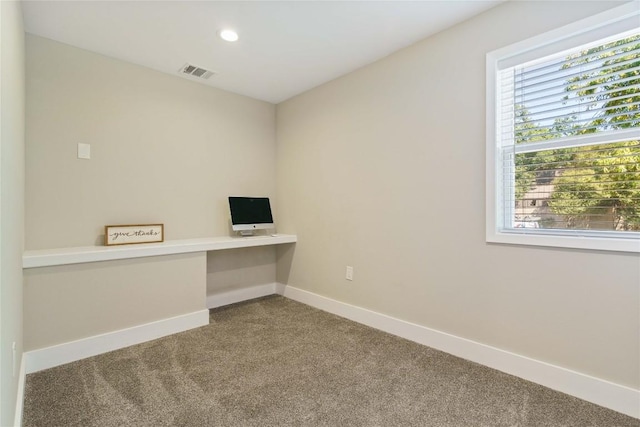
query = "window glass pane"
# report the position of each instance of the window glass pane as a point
(591, 90)
(585, 188)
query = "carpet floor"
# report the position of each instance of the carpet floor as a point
(276, 362)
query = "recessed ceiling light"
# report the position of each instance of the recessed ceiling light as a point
(228, 35)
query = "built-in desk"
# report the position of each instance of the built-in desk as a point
(83, 301)
(78, 255)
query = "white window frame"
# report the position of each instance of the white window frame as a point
(616, 20)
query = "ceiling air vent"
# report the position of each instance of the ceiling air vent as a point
(194, 71)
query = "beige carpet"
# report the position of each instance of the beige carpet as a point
(276, 362)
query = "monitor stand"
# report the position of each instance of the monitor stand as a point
(246, 233)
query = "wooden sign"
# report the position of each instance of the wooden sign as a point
(131, 234)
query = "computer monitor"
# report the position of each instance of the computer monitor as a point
(249, 214)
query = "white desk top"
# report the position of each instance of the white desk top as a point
(63, 256)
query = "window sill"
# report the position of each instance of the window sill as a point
(631, 245)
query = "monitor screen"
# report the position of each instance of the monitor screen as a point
(250, 213)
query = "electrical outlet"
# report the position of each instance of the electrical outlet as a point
(349, 275)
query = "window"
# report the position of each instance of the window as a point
(563, 136)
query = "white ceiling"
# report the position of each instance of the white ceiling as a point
(285, 47)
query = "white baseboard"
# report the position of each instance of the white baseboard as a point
(48, 357)
(601, 392)
(17, 420)
(239, 295)
(604, 393)
(280, 288)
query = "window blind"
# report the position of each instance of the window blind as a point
(569, 127)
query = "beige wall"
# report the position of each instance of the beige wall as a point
(164, 149)
(67, 303)
(239, 268)
(384, 170)
(12, 122)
